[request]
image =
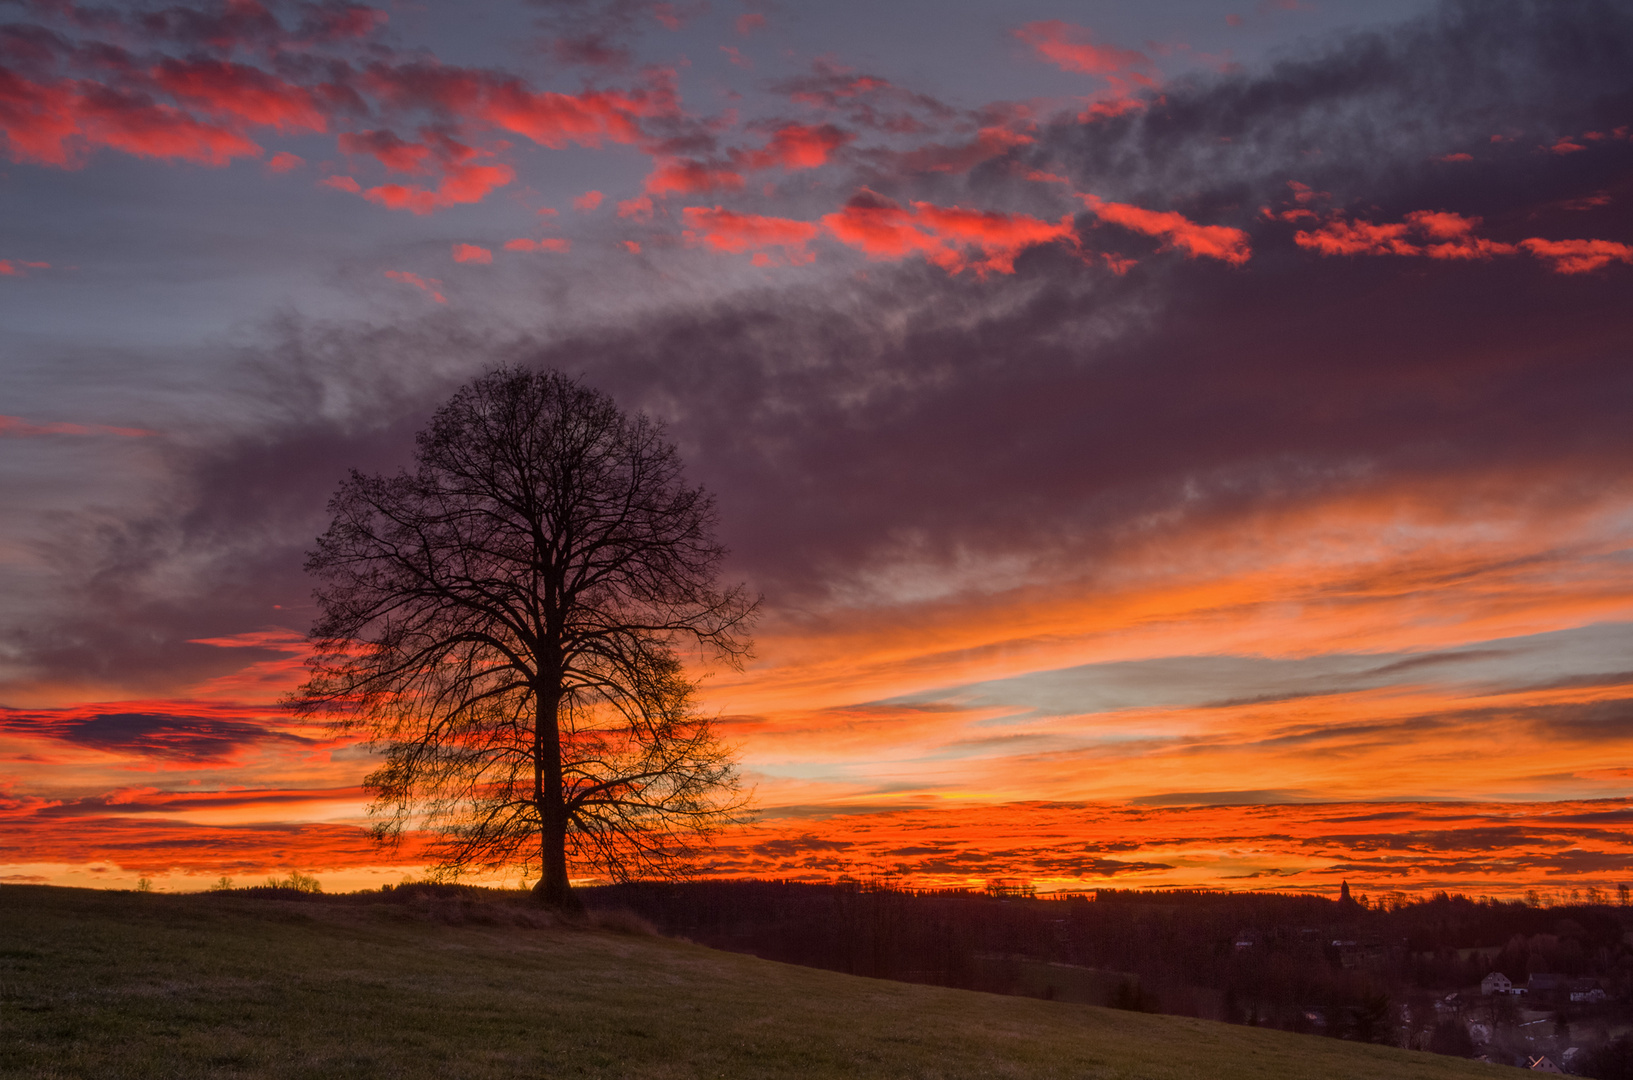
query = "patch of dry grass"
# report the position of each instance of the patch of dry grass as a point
(99, 984)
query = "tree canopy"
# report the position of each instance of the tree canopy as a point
(505, 623)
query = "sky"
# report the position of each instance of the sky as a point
(1177, 445)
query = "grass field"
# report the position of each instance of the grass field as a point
(105, 984)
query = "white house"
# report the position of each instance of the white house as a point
(1496, 983)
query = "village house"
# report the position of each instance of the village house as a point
(1496, 983)
(1562, 988)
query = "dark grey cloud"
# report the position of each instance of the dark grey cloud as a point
(137, 735)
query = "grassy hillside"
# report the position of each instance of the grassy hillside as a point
(101, 984)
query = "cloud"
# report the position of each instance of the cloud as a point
(16, 427)
(1073, 48)
(284, 161)
(59, 123)
(549, 243)
(587, 201)
(1176, 231)
(238, 92)
(722, 230)
(471, 253)
(799, 146)
(195, 737)
(948, 236)
(989, 142)
(1578, 256)
(689, 177)
(1443, 235)
(429, 286)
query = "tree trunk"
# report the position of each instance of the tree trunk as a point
(553, 890)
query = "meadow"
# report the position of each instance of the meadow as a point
(261, 984)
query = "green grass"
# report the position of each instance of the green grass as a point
(101, 984)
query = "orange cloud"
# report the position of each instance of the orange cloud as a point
(722, 230)
(471, 253)
(429, 286)
(284, 161)
(587, 201)
(1177, 231)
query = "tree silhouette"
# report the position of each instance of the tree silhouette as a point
(503, 624)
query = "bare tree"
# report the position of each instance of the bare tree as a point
(503, 624)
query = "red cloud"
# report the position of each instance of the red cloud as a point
(1434, 233)
(690, 177)
(462, 182)
(1072, 48)
(1000, 236)
(639, 208)
(429, 286)
(506, 103)
(721, 230)
(52, 123)
(342, 183)
(989, 142)
(797, 146)
(588, 201)
(240, 92)
(284, 161)
(553, 243)
(1439, 234)
(470, 253)
(389, 149)
(1177, 231)
(1578, 256)
(747, 24)
(16, 427)
(990, 240)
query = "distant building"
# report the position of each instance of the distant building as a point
(1496, 983)
(1563, 988)
(1542, 1064)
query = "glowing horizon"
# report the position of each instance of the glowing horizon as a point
(1187, 450)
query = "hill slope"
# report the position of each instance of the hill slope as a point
(119, 984)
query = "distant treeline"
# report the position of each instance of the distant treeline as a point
(1365, 971)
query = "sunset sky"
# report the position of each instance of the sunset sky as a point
(1177, 444)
